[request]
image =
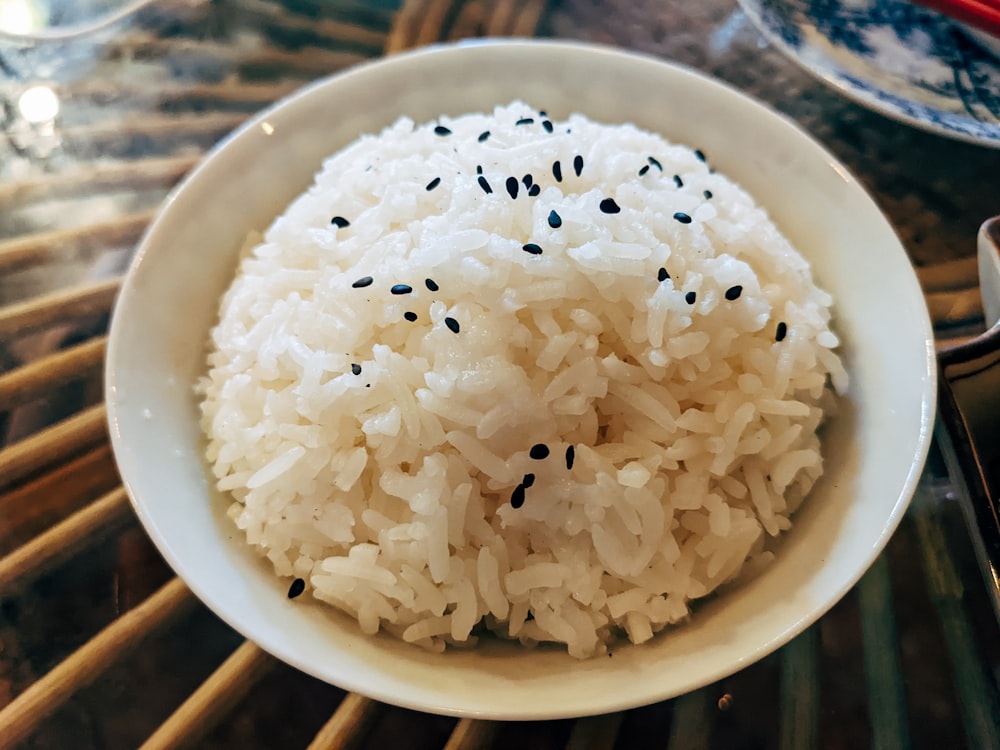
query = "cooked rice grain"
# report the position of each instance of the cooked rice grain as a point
(398, 350)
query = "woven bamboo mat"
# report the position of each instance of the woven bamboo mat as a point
(101, 647)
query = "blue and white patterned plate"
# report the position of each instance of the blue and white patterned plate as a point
(897, 58)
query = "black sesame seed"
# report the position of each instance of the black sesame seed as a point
(539, 451)
(690, 298)
(699, 154)
(401, 289)
(483, 136)
(525, 121)
(485, 185)
(479, 169)
(297, 587)
(542, 113)
(781, 332)
(340, 221)
(452, 325)
(662, 275)
(655, 162)
(555, 220)
(678, 181)
(527, 180)
(362, 282)
(547, 125)
(433, 184)
(733, 293)
(512, 187)
(532, 248)
(528, 480)
(355, 369)
(578, 164)
(682, 217)
(609, 206)
(708, 195)
(570, 457)
(442, 130)
(557, 171)
(517, 497)
(410, 316)
(534, 190)
(643, 170)
(431, 284)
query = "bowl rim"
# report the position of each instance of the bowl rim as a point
(537, 711)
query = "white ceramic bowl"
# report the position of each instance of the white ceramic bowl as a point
(875, 449)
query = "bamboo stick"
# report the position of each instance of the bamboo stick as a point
(32, 249)
(20, 717)
(472, 734)
(75, 303)
(347, 727)
(52, 445)
(98, 178)
(87, 527)
(41, 376)
(203, 709)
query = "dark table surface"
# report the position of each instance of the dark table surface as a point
(114, 118)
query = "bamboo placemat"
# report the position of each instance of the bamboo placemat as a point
(101, 647)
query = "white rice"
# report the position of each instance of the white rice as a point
(389, 492)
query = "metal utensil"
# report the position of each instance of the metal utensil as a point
(969, 404)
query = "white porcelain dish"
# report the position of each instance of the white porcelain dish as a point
(895, 57)
(875, 447)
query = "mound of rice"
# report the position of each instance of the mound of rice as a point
(553, 380)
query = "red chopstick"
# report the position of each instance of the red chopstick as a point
(983, 14)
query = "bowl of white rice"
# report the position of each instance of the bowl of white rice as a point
(520, 380)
